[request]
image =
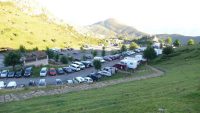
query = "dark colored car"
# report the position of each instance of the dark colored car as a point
(28, 72)
(11, 74)
(120, 66)
(19, 74)
(32, 83)
(52, 71)
(94, 76)
(67, 69)
(87, 64)
(60, 71)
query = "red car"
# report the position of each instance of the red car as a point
(120, 66)
(52, 71)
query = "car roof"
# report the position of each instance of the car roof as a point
(74, 65)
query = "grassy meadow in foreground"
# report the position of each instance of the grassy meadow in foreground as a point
(178, 91)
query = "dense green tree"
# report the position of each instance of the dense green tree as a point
(168, 41)
(150, 53)
(103, 53)
(123, 48)
(133, 46)
(191, 42)
(56, 57)
(97, 64)
(22, 49)
(177, 43)
(168, 50)
(64, 60)
(12, 59)
(50, 53)
(94, 53)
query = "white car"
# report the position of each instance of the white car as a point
(75, 67)
(42, 82)
(100, 59)
(2, 84)
(70, 81)
(88, 80)
(4, 73)
(12, 84)
(81, 65)
(105, 73)
(79, 79)
(43, 72)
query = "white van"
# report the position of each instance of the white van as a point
(131, 64)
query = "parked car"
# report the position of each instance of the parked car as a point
(88, 80)
(107, 58)
(11, 74)
(87, 63)
(112, 70)
(75, 67)
(60, 71)
(28, 72)
(4, 73)
(94, 76)
(52, 71)
(11, 84)
(32, 83)
(2, 84)
(42, 82)
(81, 65)
(100, 59)
(70, 81)
(19, 74)
(67, 69)
(120, 66)
(105, 73)
(59, 82)
(43, 72)
(79, 79)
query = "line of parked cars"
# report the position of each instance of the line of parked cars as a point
(74, 67)
(27, 72)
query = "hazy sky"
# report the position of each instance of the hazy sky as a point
(150, 16)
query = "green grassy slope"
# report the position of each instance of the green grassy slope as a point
(178, 91)
(18, 28)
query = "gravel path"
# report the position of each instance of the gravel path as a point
(67, 89)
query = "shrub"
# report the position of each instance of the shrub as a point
(168, 50)
(133, 46)
(177, 43)
(191, 42)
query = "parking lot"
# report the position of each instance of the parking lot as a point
(51, 80)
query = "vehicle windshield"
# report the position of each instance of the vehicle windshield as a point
(43, 71)
(27, 71)
(52, 70)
